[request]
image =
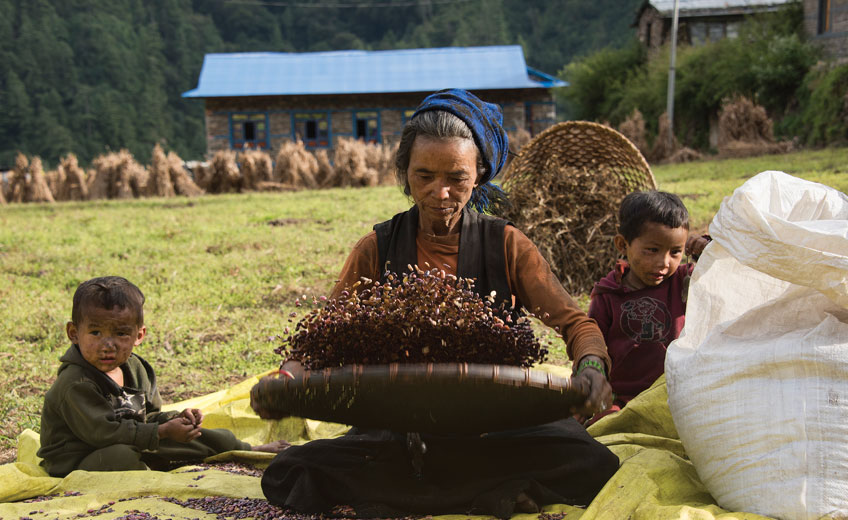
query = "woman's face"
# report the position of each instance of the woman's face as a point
(442, 174)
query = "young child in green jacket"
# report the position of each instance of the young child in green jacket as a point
(103, 411)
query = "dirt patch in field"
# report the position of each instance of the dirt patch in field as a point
(279, 222)
(8, 455)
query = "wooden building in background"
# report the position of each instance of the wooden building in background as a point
(261, 100)
(699, 21)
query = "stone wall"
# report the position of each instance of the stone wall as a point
(518, 104)
(833, 39)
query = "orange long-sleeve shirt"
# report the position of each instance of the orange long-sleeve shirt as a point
(529, 277)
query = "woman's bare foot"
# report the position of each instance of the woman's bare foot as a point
(525, 504)
(272, 447)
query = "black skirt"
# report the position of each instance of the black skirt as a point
(372, 472)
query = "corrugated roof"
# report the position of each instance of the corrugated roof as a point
(704, 7)
(367, 72)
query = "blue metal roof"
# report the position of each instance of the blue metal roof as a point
(367, 72)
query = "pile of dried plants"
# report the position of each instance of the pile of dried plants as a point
(565, 188)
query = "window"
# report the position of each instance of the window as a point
(407, 115)
(313, 128)
(698, 33)
(824, 16)
(366, 126)
(249, 130)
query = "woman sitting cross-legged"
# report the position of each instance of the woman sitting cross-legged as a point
(449, 152)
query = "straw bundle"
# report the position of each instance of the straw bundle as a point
(518, 140)
(744, 129)
(159, 182)
(565, 187)
(56, 183)
(17, 179)
(223, 175)
(256, 168)
(351, 160)
(2, 187)
(183, 183)
(117, 176)
(633, 128)
(202, 172)
(326, 175)
(295, 166)
(74, 187)
(36, 188)
(665, 144)
(685, 154)
(381, 159)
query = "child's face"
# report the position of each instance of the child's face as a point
(106, 337)
(654, 255)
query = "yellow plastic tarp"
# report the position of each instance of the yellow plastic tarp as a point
(655, 481)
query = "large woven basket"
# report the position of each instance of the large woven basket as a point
(566, 185)
(584, 144)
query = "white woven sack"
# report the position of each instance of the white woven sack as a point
(758, 379)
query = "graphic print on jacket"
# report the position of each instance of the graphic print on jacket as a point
(645, 319)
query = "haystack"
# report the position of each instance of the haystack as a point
(17, 179)
(633, 128)
(223, 174)
(351, 161)
(74, 187)
(36, 188)
(565, 188)
(685, 154)
(296, 166)
(2, 187)
(380, 157)
(183, 183)
(665, 144)
(55, 183)
(256, 168)
(744, 129)
(326, 175)
(518, 140)
(117, 175)
(159, 182)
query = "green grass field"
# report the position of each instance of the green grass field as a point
(221, 272)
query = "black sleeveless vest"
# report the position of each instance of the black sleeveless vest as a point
(481, 250)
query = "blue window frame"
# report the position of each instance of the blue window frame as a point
(313, 128)
(366, 125)
(249, 130)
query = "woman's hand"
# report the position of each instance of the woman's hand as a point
(600, 392)
(179, 429)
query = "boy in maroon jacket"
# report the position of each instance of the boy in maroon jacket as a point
(640, 305)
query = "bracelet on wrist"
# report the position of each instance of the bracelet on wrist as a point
(597, 365)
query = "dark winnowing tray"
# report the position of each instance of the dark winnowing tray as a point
(462, 398)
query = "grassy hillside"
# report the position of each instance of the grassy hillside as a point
(221, 273)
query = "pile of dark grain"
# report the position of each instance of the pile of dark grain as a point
(425, 316)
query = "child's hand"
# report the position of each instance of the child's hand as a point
(695, 245)
(192, 414)
(179, 429)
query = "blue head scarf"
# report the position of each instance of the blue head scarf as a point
(486, 123)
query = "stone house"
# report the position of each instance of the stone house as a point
(826, 22)
(699, 21)
(261, 100)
